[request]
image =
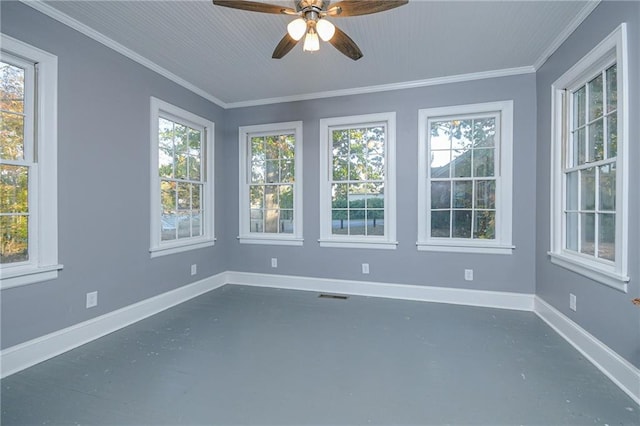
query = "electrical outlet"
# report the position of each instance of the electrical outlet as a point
(468, 274)
(92, 299)
(194, 269)
(365, 268)
(274, 262)
(572, 302)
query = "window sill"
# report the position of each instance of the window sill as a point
(163, 251)
(590, 270)
(383, 245)
(458, 247)
(25, 276)
(269, 240)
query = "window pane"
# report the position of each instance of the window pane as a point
(588, 189)
(462, 224)
(483, 162)
(462, 194)
(440, 195)
(461, 134)
(196, 196)
(168, 224)
(180, 139)
(194, 142)
(485, 194)
(587, 233)
(271, 197)
(607, 187)
(612, 88)
(607, 236)
(184, 224)
(256, 224)
(375, 159)
(339, 193)
(339, 218)
(286, 197)
(579, 103)
(287, 171)
(180, 164)
(15, 239)
(440, 137)
(579, 147)
(168, 195)
(612, 135)
(256, 196)
(356, 222)
(461, 163)
(184, 196)
(375, 222)
(14, 185)
(357, 162)
(271, 218)
(340, 168)
(572, 191)
(572, 231)
(257, 171)
(485, 225)
(273, 171)
(194, 167)
(340, 143)
(286, 221)
(287, 147)
(257, 149)
(595, 97)
(440, 161)
(11, 88)
(440, 224)
(484, 132)
(12, 136)
(272, 147)
(596, 141)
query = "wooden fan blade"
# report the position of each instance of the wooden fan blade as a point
(286, 44)
(345, 45)
(363, 7)
(255, 6)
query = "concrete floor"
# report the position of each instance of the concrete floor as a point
(257, 356)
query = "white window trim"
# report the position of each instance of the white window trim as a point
(158, 247)
(612, 48)
(504, 182)
(388, 241)
(245, 237)
(44, 202)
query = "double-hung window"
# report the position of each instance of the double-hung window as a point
(182, 180)
(357, 181)
(28, 164)
(465, 174)
(271, 183)
(589, 165)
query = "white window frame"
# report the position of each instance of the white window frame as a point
(503, 176)
(327, 239)
(160, 108)
(43, 180)
(245, 133)
(611, 49)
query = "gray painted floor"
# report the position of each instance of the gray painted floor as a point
(242, 355)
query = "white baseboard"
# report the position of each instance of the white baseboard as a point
(24, 355)
(455, 296)
(616, 368)
(619, 370)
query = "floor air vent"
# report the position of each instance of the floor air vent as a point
(333, 296)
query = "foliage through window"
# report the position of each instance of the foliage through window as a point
(182, 154)
(270, 183)
(360, 180)
(464, 197)
(589, 165)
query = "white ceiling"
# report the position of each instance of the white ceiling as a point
(225, 54)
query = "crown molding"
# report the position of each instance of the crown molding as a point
(65, 19)
(386, 87)
(564, 35)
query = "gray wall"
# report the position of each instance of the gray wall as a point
(515, 273)
(604, 312)
(103, 181)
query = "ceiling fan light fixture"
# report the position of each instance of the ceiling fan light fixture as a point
(297, 28)
(326, 29)
(311, 41)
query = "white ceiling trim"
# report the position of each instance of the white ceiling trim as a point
(564, 35)
(101, 38)
(387, 87)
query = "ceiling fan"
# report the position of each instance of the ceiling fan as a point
(312, 22)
